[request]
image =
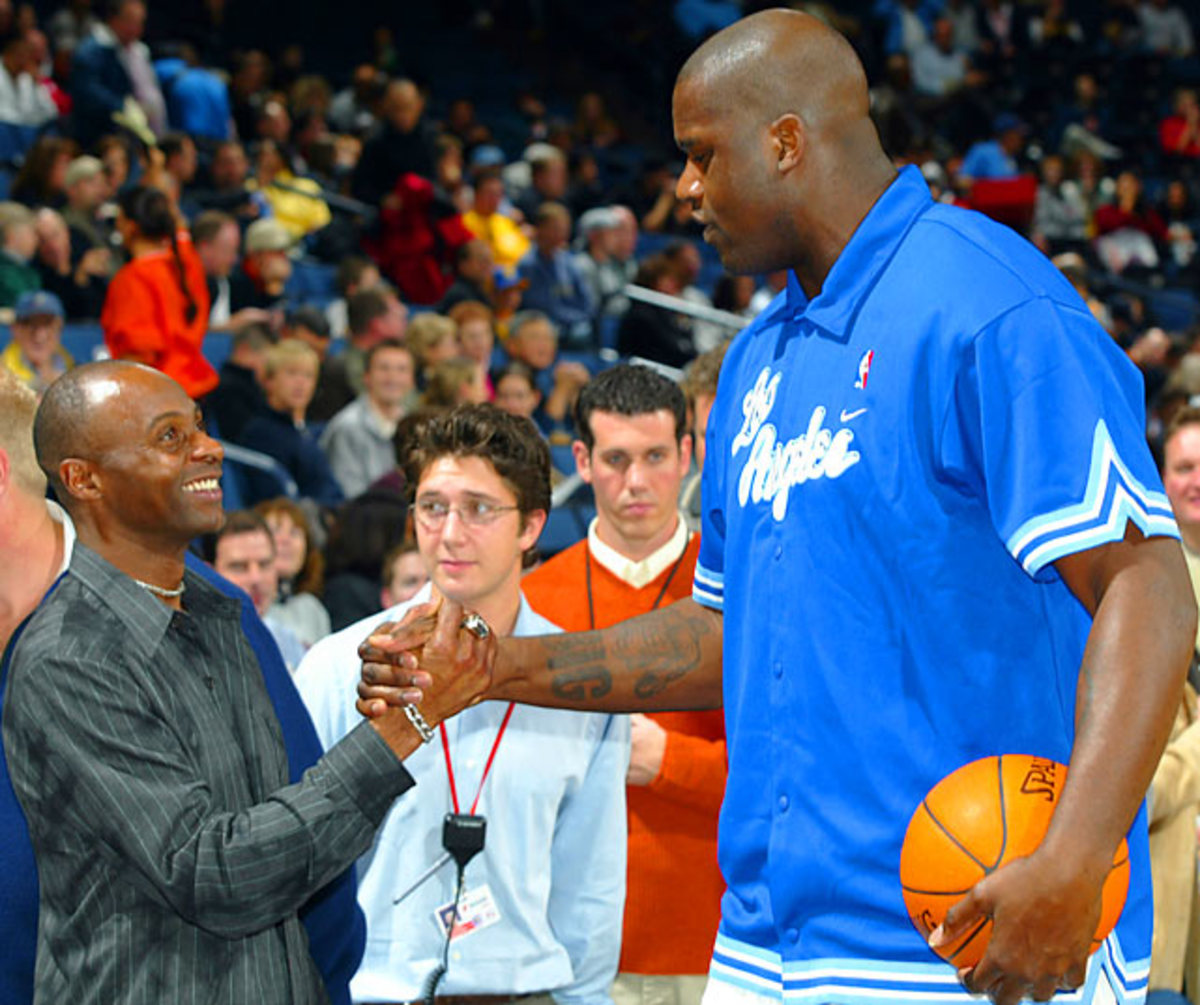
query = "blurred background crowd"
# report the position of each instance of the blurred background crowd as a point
(323, 221)
(326, 221)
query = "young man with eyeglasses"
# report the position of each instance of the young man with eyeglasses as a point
(539, 909)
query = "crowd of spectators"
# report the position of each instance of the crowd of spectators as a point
(368, 245)
(188, 188)
(175, 192)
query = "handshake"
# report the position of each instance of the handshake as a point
(439, 657)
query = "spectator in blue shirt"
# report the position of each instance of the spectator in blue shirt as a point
(197, 99)
(939, 66)
(290, 379)
(907, 24)
(557, 286)
(997, 158)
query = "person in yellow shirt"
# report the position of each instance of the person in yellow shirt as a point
(35, 355)
(503, 234)
(302, 212)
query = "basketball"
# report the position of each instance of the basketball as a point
(973, 821)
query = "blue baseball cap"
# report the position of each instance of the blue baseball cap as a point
(487, 155)
(1008, 120)
(503, 280)
(37, 304)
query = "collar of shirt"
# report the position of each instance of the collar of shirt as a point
(638, 574)
(833, 311)
(146, 618)
(285, 418)
(221, 308)
(375, 421)
(528, 622)
(103, 34)
(60, 515)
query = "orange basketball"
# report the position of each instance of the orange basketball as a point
(985, 814)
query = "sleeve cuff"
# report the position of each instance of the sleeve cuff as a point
(368, 770)
(1113, 499)
(708, 588)
(693, 772)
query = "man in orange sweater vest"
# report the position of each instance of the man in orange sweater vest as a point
(634, 452)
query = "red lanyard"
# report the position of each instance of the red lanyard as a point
(486, 768)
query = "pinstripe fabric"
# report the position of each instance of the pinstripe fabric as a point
(171, 852)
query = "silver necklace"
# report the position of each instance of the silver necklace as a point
(159, 591)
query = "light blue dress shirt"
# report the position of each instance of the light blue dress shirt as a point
(555, 854)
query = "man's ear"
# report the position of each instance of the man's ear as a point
(583, 460)
(790, 141)
(685, 451)
(5, 472)
(535, 520)
(80, 478)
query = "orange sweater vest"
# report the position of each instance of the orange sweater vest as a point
(673, 893)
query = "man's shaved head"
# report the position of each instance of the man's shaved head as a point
(784, 161)
(65, 424)
(780, 61)
(126, 451)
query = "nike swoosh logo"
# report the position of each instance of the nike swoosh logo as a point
(847, 416)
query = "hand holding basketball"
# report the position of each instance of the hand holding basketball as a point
(1043, 919)
(1016, 919)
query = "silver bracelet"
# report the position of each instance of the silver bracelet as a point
(419, 723)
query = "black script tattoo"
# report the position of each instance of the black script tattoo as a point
(579, 661)
(661, 652)
(574, 685)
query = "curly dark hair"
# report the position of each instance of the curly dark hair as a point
(510, 444)
(628, 389)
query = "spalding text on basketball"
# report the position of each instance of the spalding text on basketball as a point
(1039, 780)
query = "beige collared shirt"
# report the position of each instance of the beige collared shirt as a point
(638, 574)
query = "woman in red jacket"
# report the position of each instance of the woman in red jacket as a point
(156, 310)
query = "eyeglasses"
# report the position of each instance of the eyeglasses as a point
(431, 513)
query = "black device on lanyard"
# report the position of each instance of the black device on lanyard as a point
(463, 836)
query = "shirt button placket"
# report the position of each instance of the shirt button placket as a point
(780, 585)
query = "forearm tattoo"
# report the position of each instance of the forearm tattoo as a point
(577, 661)
(641, 658)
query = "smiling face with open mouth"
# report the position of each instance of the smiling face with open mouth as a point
(158, 470)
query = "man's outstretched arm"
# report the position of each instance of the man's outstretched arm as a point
(669, 659)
